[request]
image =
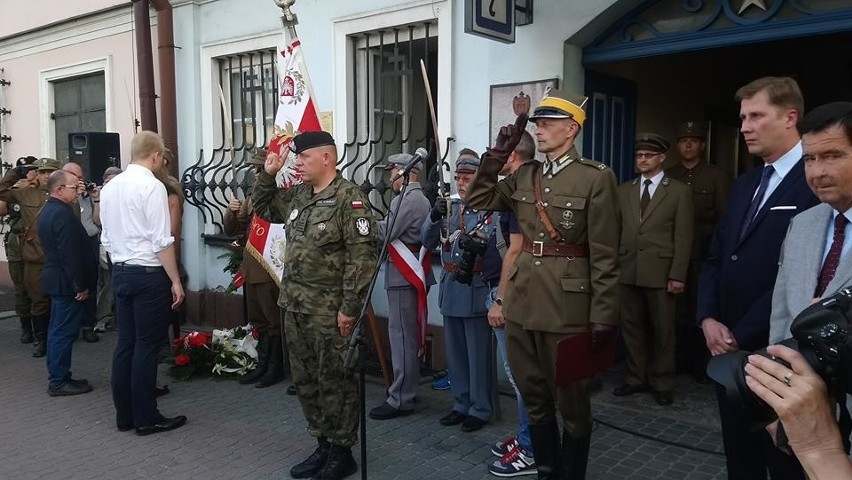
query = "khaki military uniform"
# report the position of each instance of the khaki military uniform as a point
(329, 260)
(653, 250)
(31, 200)
(16, 263)
(710, 189)
(552, 297)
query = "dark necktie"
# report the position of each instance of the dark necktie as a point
(646, 198)
(755, 202)
(832, 260)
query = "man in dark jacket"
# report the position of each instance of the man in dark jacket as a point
(69, 278)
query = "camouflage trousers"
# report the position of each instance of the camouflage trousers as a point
(328, 396)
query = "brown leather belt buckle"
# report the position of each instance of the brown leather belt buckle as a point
(537, 249)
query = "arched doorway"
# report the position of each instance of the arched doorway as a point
(670, 61)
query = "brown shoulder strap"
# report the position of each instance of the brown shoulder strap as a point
(26, 229)
(539, 207)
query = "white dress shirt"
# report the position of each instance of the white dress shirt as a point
(782, 167)
(135, 217)
(652, 188)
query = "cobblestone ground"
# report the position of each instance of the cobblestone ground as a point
(240, 432)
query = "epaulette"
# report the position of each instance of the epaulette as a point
(592, 163)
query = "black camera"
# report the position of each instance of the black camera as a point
(821, 333)
(91, 186)
(473, 247)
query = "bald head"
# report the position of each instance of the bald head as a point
(74, 169)
(58, 179)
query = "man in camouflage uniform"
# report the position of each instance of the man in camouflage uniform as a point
(13, 250)
(709, 197)
(329, 261)
(565, 281)
(31, 200)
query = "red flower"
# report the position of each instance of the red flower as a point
(198, 339)
(181, 360)
(255, 334)
(179, 341)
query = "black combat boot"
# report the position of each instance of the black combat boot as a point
(340, 464)
(275, 369)
(26, 330)
(262, 361)
(314, 463)
(545, 444)
(40, 334)
(575, 456)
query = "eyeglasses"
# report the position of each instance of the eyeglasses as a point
(640, 156)
(463, 179)
(70, 186)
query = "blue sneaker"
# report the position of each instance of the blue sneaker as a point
(514, 463)
(442, 383)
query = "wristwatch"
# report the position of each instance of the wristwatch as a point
(498, 301)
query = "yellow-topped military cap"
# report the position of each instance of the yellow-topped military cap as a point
(560, 104)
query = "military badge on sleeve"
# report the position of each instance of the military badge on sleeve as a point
(294, 214)
(363, 226)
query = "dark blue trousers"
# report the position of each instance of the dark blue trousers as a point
(66, 316)
(143, 301)
(91, 305)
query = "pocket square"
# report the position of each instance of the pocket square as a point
(784, 207)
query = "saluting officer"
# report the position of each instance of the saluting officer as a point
(330, 256)
(406, 289)
(31, 201)
(566, 279)
(467, 335)
(656, 237)
(13, 250)
(710, 189)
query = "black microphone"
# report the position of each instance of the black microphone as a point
(419, 154)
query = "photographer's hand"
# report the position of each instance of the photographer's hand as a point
(799, 397)
(718, 337)
(602, 334)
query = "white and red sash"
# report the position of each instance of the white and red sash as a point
(414, 269)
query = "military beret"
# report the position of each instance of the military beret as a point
(50, 164)
(467, 163)
(401, 160)
(309, 140)
(652, 142)
(26, 161)
(559, 104)
(258, 157)
(691, 129)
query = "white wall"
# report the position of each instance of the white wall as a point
(18, 16)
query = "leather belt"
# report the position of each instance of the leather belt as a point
(454, 267)
(539, 249)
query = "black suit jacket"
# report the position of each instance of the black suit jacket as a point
(738, 276)
(70, 265)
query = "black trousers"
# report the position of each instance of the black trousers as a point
(143, 301)
(750, 453)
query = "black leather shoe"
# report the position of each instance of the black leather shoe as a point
(124, 427)
(291, 390)
(27, 336)
(310, 466)
(453, 418)
(663, 398)
(161, 390)
(78, 381)
(68, 388)
(627, 390)
(163, 424)
(340, 464)
(89, 335)
(39, 349)
(386, 412)
(472, 424)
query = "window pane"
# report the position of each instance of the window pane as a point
(64, 126)
(93, 121)
(92, 89)
(66, 97)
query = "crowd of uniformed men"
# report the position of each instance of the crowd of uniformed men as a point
(566, 253)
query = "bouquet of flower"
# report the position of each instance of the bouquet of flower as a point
(225, 352)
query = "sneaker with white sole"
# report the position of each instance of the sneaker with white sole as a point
(504, 446)
(515, 463)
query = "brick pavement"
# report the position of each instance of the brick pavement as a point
(240, 432)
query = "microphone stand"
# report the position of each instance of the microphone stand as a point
(356, 339)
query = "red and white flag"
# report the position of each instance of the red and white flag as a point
(296, 114)
(414, 269)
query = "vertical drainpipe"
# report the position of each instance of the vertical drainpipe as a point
(168, 98)
(145, 66)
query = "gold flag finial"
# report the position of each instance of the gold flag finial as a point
(284, 5)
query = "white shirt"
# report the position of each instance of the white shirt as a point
(782, 167)
(135, 217)
(655, 182)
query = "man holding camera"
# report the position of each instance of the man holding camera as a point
(565, 281)
(735, 291)
(467, 334)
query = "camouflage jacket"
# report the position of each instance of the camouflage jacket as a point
(331, 250)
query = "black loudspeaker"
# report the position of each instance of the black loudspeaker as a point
(95, 152)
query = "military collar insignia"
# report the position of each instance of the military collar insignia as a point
(666, 181)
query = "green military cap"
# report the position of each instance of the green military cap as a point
(652, 142)
(559, 104)
(48, 164)
(691, 129)
(401, 160)
(258, 157)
